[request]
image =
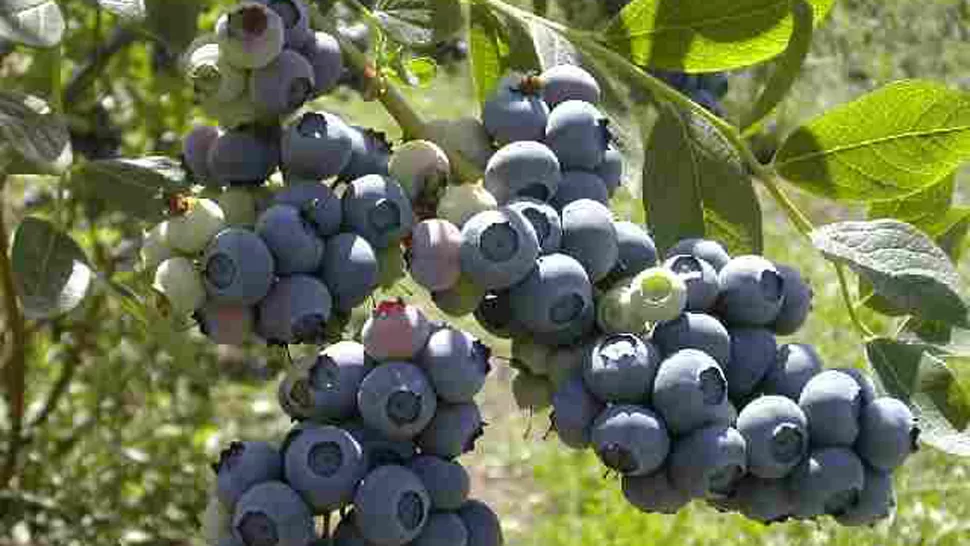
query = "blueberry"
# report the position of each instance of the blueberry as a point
(797, 302)
(238, 267)
(620, 368)
(715, 82)
(568, 82)
(866, 385)
(395, 331)
(700, 278)
(153, 249)
(447, 482)
(577, 132)
(763, 500)
(694, 331)
(421, 167)
(795, 364)
(391, 506)
(752, 291)
(195, 151)
(369, 154)
(334, 376)
(179, 287)
(498, 248)
(544, 220)
(227, 324)
(461, 299)
(349, 269)
(776, 432)
(708, 462)
(572, 333)
(293, 240)
(317, 204)
(832, 401)
(378, 448)
(296, 396)
(239, 206)
(453, 431)
(397, 399)
(435, 260)
(515, 111)
(567, 361)
(457, 364)
(282, 86)
(484, 528)
(576, 185)
(615, 312)
(877, 500)
(250, 35)
(238, 113)
(532, 392)
(461, 202)
(323, 52)
(272, 513)
(611, 169)
(630, 439)
(710, 251)
(243, 465)
(213, 80)
(829, 481)
(443, 529)
(494, 313)
(690, 391)
(636, 249)
(295, 311)
(376, 208)
(239, 156)
(753, 354)
(524, 168)
(553, 297)
(191, 229)
(657, 294)
(654, 493)
(315, 147)
(324, 464)
(887, 433)
(296, 20)
(574, 409)
(465, 135)
(589, 236)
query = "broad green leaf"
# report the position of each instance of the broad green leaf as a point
(694, 185)
(488, 45)
(36, 23)
(903, 264)
(174, 21)
(787, 67)
(38, 135)
(925, 379)
(127, 9)
(50, 269)
(136, 186)
(704, 35)
(888, 144)
(919, 207)
(448, 18)
(523, 55)
(407, 22)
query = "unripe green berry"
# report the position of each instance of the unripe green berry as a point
(419, 166)
(238, 204)
(179, 286)
(191, 232)
(212, 78)
(658, 294)
(461, 299)
(461, 202)
(531, 391)
(153, 248)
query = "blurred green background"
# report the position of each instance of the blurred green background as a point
(122, 455)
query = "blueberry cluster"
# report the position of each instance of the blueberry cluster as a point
(683, 389)
(379, 425)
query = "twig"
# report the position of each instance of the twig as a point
(82, 78)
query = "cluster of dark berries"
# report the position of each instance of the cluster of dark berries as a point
(379, 426)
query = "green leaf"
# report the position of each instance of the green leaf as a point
(50, 269)
(173, 21)
(126, 9)
(136, 186)
(694, 185)
(903, 264)
(407, 22)
(925, 379)
(787, 68)
(38, 135)
(917, 207)
(422, 70)
(888, 144)
(704, 35)
(36, 23)
(488, 45)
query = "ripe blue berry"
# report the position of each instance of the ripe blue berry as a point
(654, 493)
(620, 368)
(334, 376)
(589, 236)
(752, 291)
(457, 364)
(272, 513)
(397, 399)
(494, 313)
(708, 462)
(611, 169)
(241, 157)
(553, 297)
(694, 331)
(349, 269)
(544, 220)
(391, 506)
(832, 401)
(370, 153)
(877, 500)
(443, 529)
(763, 500)
(250, 35)
(797, 304)
(887, 433)
(690, 391)
(753, 354)
(239, 267)
(515, 112)
(323, 464)
(636, 249)
(195, 151)
(829, 481)
(577, 132)
(323, 52)
(317, 205)
(376, 208)
(776, 432)
(524, 168)
(378, 448)
(700, 278)
(315, 147)
(484, 528)
(296, 310)
(498, 248)
(293, 241)
(282, 86)
(568, 82)
(296, 20)
(630, 439)
(576, 185)
(574, 409)
(795, 364)
(453, 430)
(447, 482)
(710, 251)
(243, 465)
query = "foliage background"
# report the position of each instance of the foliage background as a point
(124, 423)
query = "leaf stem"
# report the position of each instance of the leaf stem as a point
(866, 332)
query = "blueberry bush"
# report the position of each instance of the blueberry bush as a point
(253, 190)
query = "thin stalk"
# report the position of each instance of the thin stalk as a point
(866, 332)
